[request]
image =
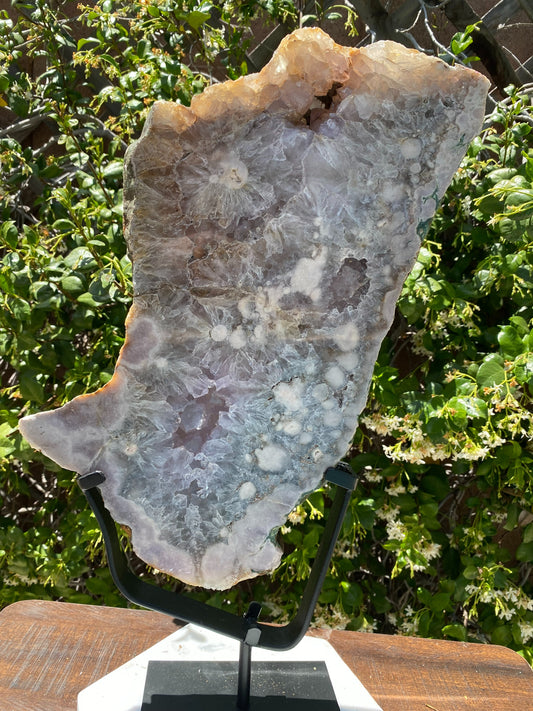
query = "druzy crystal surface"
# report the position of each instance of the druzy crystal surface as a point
(271, 226)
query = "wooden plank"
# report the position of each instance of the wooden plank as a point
(50, 651)
(408, 674)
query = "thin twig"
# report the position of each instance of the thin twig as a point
(431, 33)
(415, 43)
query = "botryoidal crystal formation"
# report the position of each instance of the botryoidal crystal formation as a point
(271, 226)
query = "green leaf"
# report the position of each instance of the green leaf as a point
(30, 388)
(510, 342)
(471, 572)
(507, 453)
(86, 40)
(102, 287)
(423, 623)
(7, 445)
(524, 552)
(328, 596)
(110, 60)
(520, 324)
(79, 158)
(460, 44)
(351, 596)
(42, 291)
(73, 284)
(490, 373)
(365, 515)
(513, 512)
(429, 511)
(19, 105)
(502, 635)
(457, 412)
(97, 586)
(64, 226)
(439, 602)
(196, 19)
(80, 258)
(438, 486)
(312, 538)
(455, 631)
(21, 309)
(476, 407)
(524, 370)
(143, 47)
(436, 428)
(6, 281)
(88, 300)
(105, 377)
(489, 204)
(528, 534)
(4, 83)
(495, 176)
(520, 200)
(10, 233)
(114, 169)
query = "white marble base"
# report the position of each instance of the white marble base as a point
(122, 689)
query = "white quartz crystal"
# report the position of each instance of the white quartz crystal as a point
(271, 226)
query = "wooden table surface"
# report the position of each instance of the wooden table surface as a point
(49, 651)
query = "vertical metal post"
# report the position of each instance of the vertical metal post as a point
(245, 670)
(251, 639)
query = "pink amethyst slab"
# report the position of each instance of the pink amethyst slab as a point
(271, 226)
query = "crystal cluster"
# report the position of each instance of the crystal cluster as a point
(271, 226)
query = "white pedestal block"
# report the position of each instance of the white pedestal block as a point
(122, 689)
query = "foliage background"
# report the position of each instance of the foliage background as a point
(438, 540)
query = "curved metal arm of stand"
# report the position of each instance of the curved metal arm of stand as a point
(184, 608)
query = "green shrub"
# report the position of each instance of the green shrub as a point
(438, 540)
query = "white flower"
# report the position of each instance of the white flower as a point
(431, 550)
(472, 451)
(498, 516)
(395, 489)
(395, 530)
(526, 631)
(372, 475)
(388, 513)
(296, 516)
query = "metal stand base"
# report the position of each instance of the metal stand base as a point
(210, 686)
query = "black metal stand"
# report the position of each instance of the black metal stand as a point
(251, 633)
